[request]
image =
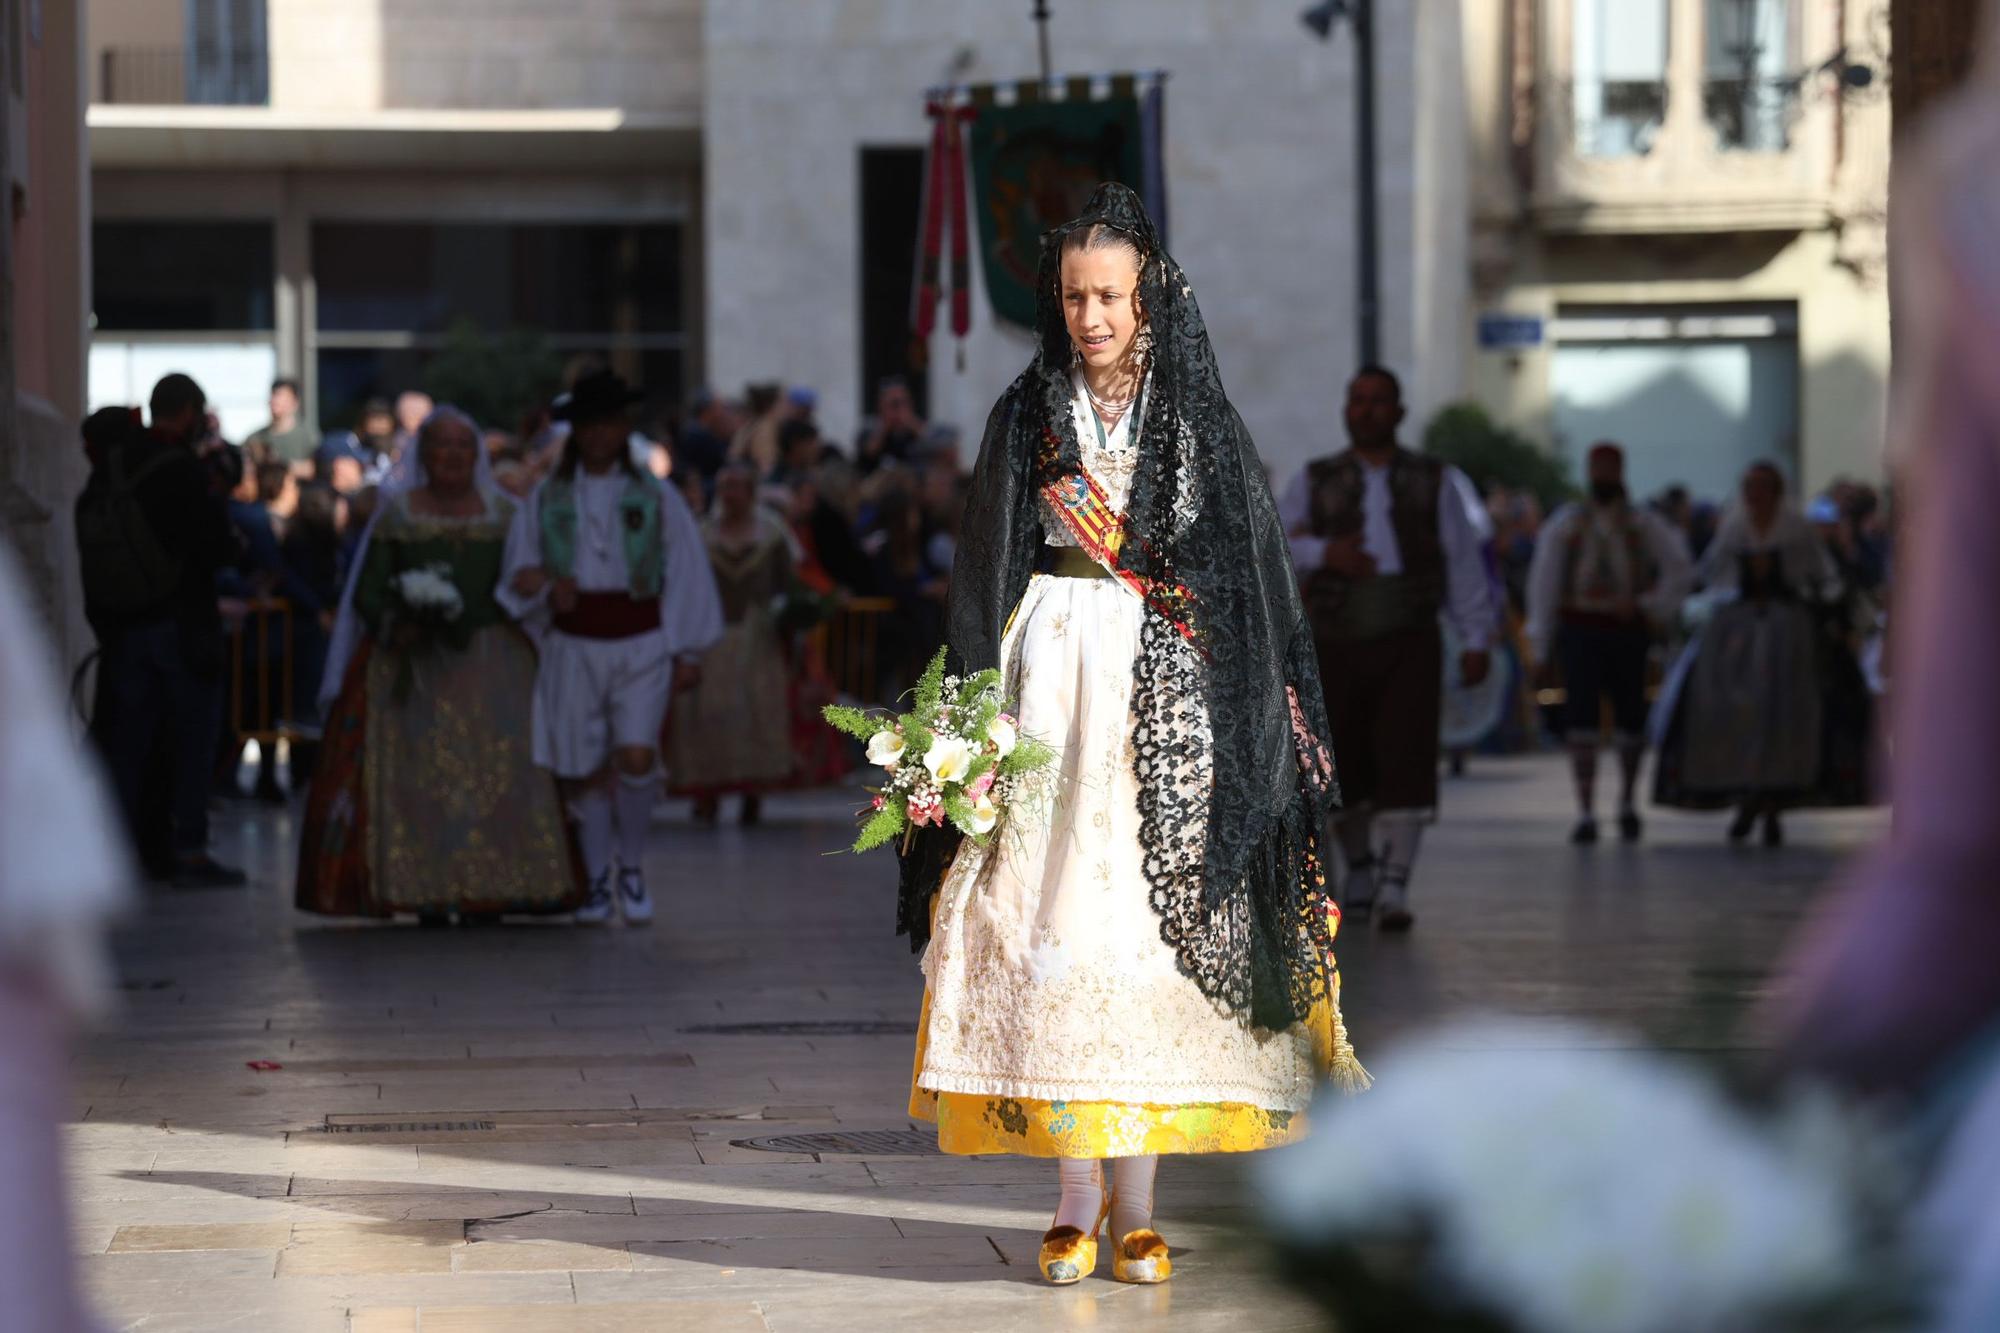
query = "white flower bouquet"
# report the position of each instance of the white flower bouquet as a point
(424, 613)
(1508, 1177)
(957, 757)
(427, 591)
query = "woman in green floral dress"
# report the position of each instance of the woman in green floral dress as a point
(428, 800)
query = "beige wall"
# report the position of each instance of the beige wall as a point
(154, 26)
(641, 56)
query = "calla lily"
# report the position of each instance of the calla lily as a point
(886, 749)
(984, 815)
(949, 759)
(1002, 733)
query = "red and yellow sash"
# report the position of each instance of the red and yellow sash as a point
(1100, 530)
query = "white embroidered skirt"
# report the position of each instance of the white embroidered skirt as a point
(1048, 976)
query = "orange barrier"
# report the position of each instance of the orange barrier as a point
(852, 646)
(257, 712)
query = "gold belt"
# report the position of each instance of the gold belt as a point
(1073, 562)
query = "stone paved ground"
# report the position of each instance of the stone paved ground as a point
(534, 1127)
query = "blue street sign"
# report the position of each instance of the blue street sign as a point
(1504, 332)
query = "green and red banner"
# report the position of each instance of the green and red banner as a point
(1033, 162)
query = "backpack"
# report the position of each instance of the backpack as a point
(126, 569)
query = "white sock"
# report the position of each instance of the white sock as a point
(636, 799)
(592, 809)
(1401, 835)
(1132, 1194)
(1082, 1199)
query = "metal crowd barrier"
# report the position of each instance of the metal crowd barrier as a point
(256, 712)
(852, 646)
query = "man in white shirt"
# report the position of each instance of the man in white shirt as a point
(608, 564)
(1605, 574)
(1383, 545)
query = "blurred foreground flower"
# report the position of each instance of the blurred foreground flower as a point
(1516, 1177)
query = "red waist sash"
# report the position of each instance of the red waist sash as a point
(610, 615)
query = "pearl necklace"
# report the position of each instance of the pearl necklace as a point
(1105, 407)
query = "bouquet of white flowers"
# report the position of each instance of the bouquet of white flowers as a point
(428, 591)
(956, 757)
(425, 608)
(1513, 1177)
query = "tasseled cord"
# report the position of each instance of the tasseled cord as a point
(1343, 1067)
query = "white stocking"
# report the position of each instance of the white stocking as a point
(636, 799)
(592, 808)
(1082, 1193)
(1402, 832)
(1132, 1194)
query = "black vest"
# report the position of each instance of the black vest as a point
(1385, 603)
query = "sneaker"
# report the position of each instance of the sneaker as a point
(1585, 833)
(597, 910)
(205, 872)
(1357, 892)
(1394, 915)
(1630, 827)
(632, 897)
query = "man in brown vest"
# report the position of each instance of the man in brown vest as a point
(1384, 544)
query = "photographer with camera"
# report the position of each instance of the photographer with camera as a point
(153, 532)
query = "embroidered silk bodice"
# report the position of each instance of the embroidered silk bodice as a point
(1112, 461)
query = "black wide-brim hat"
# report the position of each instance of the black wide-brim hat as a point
(602, 394)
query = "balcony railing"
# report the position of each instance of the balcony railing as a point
(181, 76)
(1617, 117)
(1751, 115)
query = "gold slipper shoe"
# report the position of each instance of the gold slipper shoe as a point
(1068, 1256)
(1141, 1258)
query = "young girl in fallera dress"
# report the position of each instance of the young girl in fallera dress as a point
(1140, 963)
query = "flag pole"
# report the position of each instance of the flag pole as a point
(1042, 36)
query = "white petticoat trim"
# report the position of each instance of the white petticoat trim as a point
(1203, 1092)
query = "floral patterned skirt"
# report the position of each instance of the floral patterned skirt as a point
(1057, 1021)
(975, 1124)
(459, 817)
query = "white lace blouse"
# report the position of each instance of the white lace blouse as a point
(1112, 462)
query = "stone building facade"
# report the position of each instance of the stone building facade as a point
(1680, 231)
(735, 139)
(1581, 228)
(321, 188)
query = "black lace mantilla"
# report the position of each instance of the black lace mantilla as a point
(1228, 728)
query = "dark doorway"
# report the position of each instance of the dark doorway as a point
(892, 190)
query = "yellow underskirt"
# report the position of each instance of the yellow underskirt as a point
(975, 1124)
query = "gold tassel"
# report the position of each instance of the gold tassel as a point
(1344, 1069)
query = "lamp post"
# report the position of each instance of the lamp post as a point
(1367, 296)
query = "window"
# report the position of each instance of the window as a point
(1746, 64)
(389, 296)
(1619, 60)
(417, 278)
(198, 277)
(227, 63)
